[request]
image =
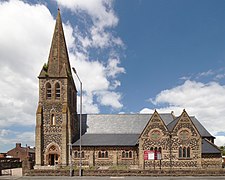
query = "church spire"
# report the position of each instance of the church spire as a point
(58, 60)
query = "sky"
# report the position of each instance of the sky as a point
(133, 56)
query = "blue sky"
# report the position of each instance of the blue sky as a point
(133, 56)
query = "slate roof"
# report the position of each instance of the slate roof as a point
(118, 123)
(208, 147)
(125, 129)
(108, 140)
(202, 131)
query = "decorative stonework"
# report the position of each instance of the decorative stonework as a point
(155, 135)
(184, 135)
(49, 138)
(52, 129)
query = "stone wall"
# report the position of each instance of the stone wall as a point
(86, 172)
(211, 162)
(110, 156)
(180, 148)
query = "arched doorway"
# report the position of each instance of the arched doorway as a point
(52, 155)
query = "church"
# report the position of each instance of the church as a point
(144, 141)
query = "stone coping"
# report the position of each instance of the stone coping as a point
(173, 172)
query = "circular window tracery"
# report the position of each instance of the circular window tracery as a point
(155, 135)
(184, 135)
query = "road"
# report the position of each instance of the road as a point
(114, 178)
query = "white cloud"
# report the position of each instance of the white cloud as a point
(108, 98)
(25, 33)
(101, 11)
(9, 138)
(92, 74)
(88, 105)
(113, 69)
(220, 140)
(96, 35)
(205, 101)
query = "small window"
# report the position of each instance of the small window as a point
(160, 149)
(130, 154)
(188, 152)
(48, 91)
(77, 154)
(123, 154)
(99, 154)
(57, 90)
(103, 154)
(180, 152)
(184, 152)
(53, 120)
(127, 154)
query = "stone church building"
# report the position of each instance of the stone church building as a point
(134, 140)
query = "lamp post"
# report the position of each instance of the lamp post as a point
(70, 152)
(80, 163)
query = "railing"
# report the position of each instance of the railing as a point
(9, 163)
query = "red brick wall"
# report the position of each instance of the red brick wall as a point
(20, 152)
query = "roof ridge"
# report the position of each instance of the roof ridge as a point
(127, 114)
(112, 133)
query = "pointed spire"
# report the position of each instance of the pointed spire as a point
(58, 56)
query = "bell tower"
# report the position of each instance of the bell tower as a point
(56, 116)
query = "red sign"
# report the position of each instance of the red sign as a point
(152, 155)
(149, 155)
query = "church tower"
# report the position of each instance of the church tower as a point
(56, 116)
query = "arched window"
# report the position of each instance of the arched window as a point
(160, 149)
(180, 152)
(123, 154)
(127, 154)
(53, 120)
(99, 154)
(57, 90)
(48, 91)
(76, 154)
(188, 152)
(130, 154)
(103, 154)
(151, 148)
(184, 152)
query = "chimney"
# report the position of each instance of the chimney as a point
(172, 113)
(18, 145)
